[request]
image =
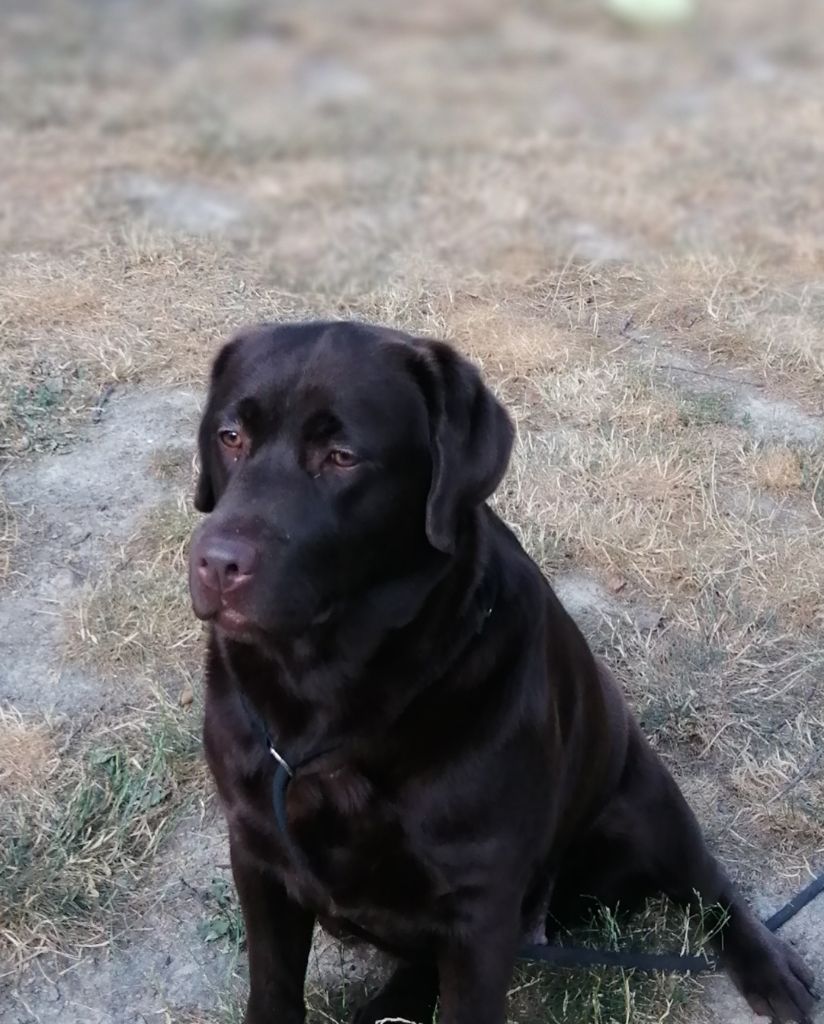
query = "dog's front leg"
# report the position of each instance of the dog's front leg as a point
(278, 940)
(474, 974)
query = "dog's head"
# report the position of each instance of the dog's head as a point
(334, 457)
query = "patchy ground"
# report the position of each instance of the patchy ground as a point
(624, 227)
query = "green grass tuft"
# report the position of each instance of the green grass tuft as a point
(71, 848)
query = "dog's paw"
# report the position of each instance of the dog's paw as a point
(776, 983)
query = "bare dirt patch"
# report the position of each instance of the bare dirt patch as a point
(73, 509)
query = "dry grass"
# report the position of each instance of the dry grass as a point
(30, 756)
(139, 618)
(734, 310)
(8, 537)
(778, 468)
(732, 702)
(626, 484)
(111, 340)
(175, 466)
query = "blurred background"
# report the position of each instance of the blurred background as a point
(355, 144)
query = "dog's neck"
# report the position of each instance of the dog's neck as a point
(383, 652)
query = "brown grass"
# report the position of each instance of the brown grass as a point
(627, 487)
(778, 468)
(139, 618)
(732, 310)
(8, 537)
(30, 756)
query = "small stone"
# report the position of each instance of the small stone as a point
(616, 583)
(186, 696)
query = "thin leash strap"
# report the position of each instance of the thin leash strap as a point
(796, 904)
(576, 956)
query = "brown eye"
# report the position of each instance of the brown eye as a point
(341, 458)
(230, 438)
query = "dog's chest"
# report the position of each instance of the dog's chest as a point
(346, 851)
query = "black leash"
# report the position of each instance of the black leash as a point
(797, 903)
(572, 956)
(578, 956)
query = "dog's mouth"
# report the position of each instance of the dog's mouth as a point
(237, 625)
(225, 616)
(234, 623)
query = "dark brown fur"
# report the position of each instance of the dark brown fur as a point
(481, 765)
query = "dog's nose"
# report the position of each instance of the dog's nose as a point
(226, 563)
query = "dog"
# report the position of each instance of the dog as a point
(461, 769)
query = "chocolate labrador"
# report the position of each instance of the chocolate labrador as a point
(460, 767)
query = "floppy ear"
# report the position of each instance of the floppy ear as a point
(204, 500)
(471, 439)
(204, 488)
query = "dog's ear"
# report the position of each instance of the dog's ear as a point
(471, 439)
(205, 497)
(204, 488)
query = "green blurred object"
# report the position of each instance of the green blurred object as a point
(651, 12)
